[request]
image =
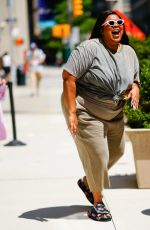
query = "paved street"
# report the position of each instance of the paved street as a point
(38, 181)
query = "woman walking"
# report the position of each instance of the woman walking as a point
(99, 75)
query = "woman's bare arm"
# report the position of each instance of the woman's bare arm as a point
(69, 95)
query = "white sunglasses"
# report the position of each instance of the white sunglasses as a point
(118, 22)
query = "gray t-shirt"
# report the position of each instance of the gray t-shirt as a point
(102, 72)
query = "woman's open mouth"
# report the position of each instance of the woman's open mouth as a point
(116, 33)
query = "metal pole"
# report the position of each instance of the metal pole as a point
(10, 85)
(11, 21)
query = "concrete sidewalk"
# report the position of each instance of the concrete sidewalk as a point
(38, 181)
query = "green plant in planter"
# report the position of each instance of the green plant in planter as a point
(145, 81)
(140, 118)
(137, 118)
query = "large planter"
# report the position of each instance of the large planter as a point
(140, 139)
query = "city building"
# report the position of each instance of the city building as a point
(14, 33)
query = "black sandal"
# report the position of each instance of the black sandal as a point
(99, 213)
(86, 191)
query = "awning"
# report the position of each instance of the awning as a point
(130, 27)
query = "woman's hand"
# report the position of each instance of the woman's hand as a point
(3, 88)
(2, 81)
(134, 94)
(73, 123)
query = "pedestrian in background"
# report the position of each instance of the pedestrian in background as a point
(6, 62)
(2, 71)
(35, 58)
(100, 74)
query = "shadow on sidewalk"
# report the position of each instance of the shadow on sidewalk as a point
(67, 212)
(146, 212)
(123, 181)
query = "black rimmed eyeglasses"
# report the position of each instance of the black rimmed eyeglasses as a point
(118, 22)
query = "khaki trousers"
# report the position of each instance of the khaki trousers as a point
(100, 142)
